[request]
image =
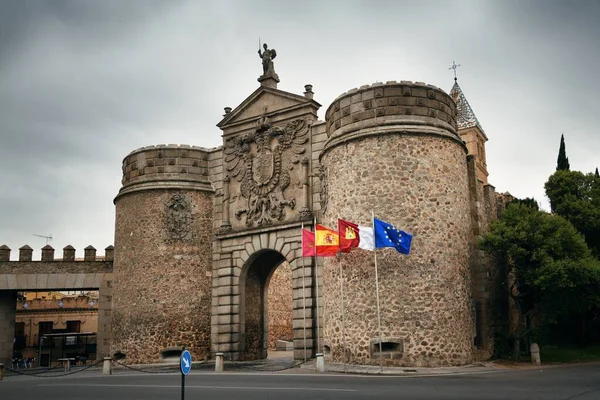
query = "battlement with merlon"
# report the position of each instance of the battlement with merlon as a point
(160, 166)
(405, 106)
(48, 254)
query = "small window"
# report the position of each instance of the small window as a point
(73, 326)
(45, 327)
(388, 348)
(20, 329)
(171, 353)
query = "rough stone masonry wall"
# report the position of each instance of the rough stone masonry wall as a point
(410, 168)
(162, 292)
(8, 309)
(280, 305)
(162, 266)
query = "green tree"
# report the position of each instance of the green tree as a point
(546, 266)
(528, 201)
(597, 174)
(562, 163)
(576, 197)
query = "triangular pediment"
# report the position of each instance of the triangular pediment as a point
(274, 100)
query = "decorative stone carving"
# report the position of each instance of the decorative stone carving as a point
(256, 161)
(179, 218)
(305, 213)
(226, 224)
(324, 187)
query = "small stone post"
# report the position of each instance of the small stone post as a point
(109, 253)
(4, 253)
(89, 254)
(1, 371)
(320, 363)
(308, 91)
(25, 253)
(534, 349)
(219, 362)
(68, 253)
(107, 366)
(47, 253)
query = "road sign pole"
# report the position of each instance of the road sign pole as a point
(185, 366)
(182, 386)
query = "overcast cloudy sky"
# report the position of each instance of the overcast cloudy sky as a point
(83, 83)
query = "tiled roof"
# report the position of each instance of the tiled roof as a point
(465, 116)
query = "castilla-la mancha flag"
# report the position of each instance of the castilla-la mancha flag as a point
(349, 236)
(353, 235)
(327, 241)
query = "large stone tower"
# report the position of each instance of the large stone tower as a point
(394, 148)
(162, 265)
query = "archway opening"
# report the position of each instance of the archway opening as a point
(266, 304)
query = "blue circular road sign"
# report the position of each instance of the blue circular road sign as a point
(185, 363)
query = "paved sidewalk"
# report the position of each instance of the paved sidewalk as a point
(476, 368)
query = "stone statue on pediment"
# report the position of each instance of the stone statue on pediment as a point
(267, 56)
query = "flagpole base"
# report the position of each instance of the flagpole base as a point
(320, 362)
(219, 362)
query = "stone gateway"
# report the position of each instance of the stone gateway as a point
(200, 233)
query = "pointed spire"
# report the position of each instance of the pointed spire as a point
(596, 173)
(465, 117)
(562, 163)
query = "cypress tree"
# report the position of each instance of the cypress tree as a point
(562, 162)
(597, 174)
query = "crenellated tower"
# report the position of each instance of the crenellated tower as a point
(162, 266)
(393, 149)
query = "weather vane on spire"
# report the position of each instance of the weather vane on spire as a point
(453, 67)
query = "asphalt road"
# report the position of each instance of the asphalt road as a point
(580, 382)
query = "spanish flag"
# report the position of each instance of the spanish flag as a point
(327, 242)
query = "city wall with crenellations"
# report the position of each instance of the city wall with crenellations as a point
(50, 273)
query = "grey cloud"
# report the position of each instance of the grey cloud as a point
(83, 83)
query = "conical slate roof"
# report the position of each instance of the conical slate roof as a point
(466, 117)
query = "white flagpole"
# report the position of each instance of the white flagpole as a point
(316, 283)
(343, 316)
(303, 290)
(377, 294)
(342, 307)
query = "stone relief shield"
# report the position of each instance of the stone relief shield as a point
(179, 218)
(261, 162)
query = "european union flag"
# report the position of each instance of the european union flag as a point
(386, 235)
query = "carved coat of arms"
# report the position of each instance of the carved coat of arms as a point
(178, 218)
(258, 160)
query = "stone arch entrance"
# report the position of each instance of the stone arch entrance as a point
(242, 275)
(254, 293)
